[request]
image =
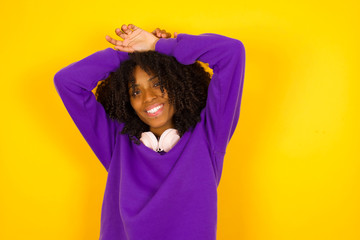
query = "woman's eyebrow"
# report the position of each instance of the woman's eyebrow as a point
(150, 79)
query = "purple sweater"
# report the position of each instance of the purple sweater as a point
(150, 196)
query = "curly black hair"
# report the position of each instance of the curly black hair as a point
(186, 85)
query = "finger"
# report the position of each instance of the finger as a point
(166, 34)
(126, 29)
(175, 34)
(133, 27)
(120, 33)
(110, 40)
(114, 41)
(157, 32)
(163, 33)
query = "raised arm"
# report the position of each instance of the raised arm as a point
(226, 56)
(74, 84)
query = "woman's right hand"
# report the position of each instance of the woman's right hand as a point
(134, 39)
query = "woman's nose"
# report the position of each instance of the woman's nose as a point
(149, 95)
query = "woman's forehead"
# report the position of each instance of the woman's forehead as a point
(141, 77)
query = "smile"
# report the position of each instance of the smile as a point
(155, 111)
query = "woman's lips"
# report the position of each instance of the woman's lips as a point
(159, 108)
(153, 106)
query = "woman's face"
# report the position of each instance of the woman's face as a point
(149, 103)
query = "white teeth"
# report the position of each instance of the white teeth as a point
(154, 110)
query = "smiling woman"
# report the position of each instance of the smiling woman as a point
(154, 86)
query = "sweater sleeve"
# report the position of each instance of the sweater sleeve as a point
(226, 56)
(74, 83)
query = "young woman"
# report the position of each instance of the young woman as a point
(158, 127)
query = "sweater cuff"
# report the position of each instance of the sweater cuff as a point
(166, 46)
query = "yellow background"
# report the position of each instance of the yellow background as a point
(292, 167)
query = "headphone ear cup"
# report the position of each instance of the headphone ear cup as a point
(168, 139)
(149, 140)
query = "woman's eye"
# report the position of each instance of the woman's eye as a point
(135, 93)
(157, 84)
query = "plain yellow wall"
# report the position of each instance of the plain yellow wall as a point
(292, 167)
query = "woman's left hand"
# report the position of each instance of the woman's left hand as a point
(162, 33)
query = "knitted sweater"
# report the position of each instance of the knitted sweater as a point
(150, 196)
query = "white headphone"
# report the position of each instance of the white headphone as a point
(167, 140)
